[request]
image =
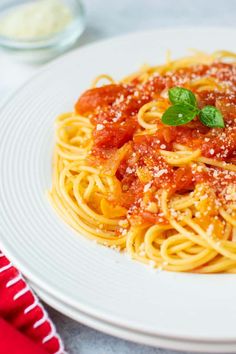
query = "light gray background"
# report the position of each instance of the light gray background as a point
(107, 18)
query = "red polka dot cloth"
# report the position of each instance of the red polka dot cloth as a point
(25, 327)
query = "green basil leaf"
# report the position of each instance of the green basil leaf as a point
(179, 114)
(211, 117)
(178, 95)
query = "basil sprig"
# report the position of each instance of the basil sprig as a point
(184, 109)
(212, 117)
(181, 95)
(179, 114)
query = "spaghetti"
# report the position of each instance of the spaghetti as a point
(165, 194)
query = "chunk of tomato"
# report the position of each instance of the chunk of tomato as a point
(98, 97)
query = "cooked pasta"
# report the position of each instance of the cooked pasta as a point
(165, 194)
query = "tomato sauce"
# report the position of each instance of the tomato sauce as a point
(143, 171)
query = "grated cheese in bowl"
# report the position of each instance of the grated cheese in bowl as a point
(35, 19)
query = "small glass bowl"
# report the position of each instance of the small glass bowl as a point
(42, 49)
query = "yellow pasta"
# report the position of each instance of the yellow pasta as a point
(165, 195)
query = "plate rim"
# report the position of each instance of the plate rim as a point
(140, 338)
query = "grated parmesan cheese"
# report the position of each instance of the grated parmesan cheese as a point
(100, 127)
(35, 19)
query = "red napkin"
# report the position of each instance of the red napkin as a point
(24, 324)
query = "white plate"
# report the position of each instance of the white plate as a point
(138, 337)
(76, 271)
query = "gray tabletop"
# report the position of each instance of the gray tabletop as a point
(112, 17)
